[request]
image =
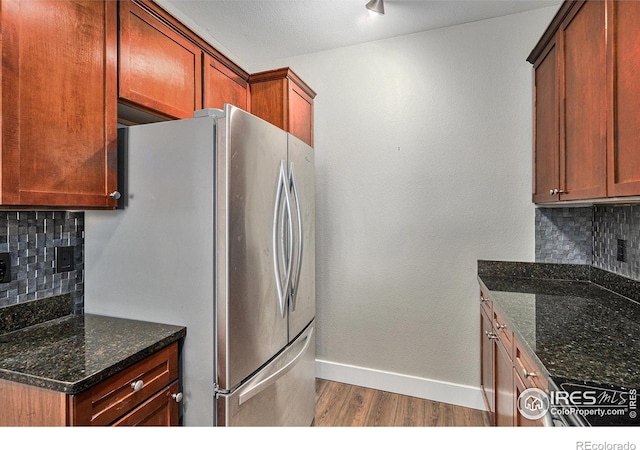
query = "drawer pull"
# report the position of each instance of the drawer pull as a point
(526, 374)
(500, 327)
(137, 385)
(491, 335)
(177, 397)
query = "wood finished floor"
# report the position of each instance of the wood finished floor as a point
(345, 405)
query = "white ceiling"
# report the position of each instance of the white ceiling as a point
(259, 31)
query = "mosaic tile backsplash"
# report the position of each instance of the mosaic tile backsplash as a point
(31, 238)
(613, 223)
(564, 235)
(590, 235)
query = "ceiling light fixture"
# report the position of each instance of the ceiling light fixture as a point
(376, 6)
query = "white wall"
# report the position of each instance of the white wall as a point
(423, 167)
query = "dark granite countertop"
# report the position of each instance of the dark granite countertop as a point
(576, 328)
(72, 353)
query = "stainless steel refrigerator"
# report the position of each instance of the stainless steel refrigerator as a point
(217, 233)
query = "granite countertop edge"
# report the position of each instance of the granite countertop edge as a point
(74, 388)
(167, 335)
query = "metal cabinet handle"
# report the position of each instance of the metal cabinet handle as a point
(177, 397)
(137, 385)
(491, 335)
(500, 327)
(115, 195)
(526, 374)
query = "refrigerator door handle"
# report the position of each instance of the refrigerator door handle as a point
(278, 250)
(259, 385)
(296, 276)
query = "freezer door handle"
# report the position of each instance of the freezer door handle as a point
(296, 276)
(278, 238)
(260, 384)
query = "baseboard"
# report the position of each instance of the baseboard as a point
(440, 391)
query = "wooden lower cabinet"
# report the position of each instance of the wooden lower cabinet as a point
(503, 387)
(506, 370)
(519, 420)
(159, 410)
(145, 393)
(487, 368)
(24, 405)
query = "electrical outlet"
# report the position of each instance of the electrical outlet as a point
(5, 267)
(621, 253)
(64, 259)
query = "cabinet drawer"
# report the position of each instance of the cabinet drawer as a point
(485, 303)
(504, 332)
(527, 370)
(114, 397)
(159, 410)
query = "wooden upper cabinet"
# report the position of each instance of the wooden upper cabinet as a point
(59, 136)
(597, 52)
(583, 152)
(570, 152)
(623, 67)
(546, 151)
(222, 85)
(160, 70)
(283, 99)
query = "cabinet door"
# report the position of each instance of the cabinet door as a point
(160, 70)
(546, 152)
(267, 101)
(222, 86)
(300, 114)
(519, 420)
(59, 136)
(624, 98)
(503, 381)
(583, 153)
(487, 365)
(283, 99)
